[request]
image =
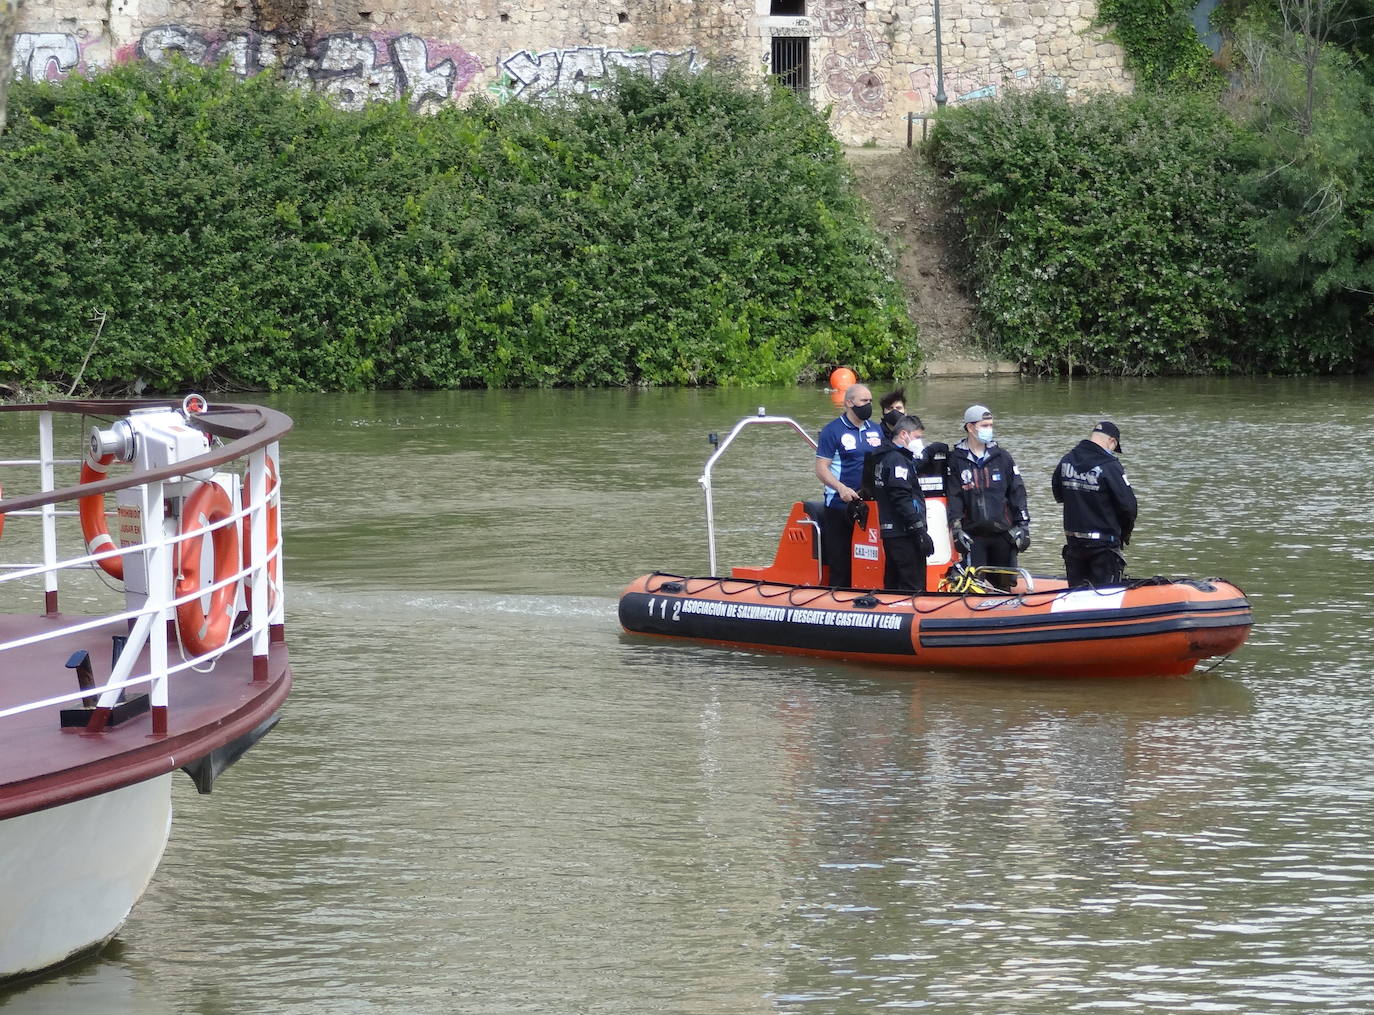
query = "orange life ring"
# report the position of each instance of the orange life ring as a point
(205, 631)
(92, 509)
(273, 513)
(2, 517)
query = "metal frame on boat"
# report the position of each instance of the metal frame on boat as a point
(99, 708)
(1040, 627)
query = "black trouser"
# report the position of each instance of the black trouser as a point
(905, 570)
(994, 551)
(1093, 562)
(837, 541)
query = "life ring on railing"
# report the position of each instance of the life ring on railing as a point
(93, 525)
(203, 631)
(273, 513)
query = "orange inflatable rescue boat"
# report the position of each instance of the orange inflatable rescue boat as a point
(1143, 627)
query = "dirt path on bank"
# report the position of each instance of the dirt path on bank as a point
(912, 211)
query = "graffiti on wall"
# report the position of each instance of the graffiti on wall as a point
(350, 68)
(583, 69)
(45, 56)
(971, 84)
(849, 69)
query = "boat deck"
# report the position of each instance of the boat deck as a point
(43, 765)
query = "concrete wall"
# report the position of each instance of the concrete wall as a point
(872, 61)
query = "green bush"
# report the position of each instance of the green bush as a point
(242, 234)
(1107, 234)
(1309, 193)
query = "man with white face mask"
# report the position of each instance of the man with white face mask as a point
(902, 508)
(988, 509)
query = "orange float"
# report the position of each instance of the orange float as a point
(202, 630)
(842, 377)
(94, 529)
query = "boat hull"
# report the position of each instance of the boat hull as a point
(73, 873)
(1146, 629)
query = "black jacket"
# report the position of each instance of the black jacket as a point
(901, 507)
(987, 496)
(1091, 484)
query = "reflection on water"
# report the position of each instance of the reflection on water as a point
(484, 798)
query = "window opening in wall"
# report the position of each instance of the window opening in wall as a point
(792, 63)
(787, 8)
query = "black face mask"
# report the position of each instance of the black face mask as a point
(863, 411)
(891, 416)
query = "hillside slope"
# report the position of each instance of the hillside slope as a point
(911, 209)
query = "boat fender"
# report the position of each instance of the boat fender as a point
(94, 529)
(203, 631)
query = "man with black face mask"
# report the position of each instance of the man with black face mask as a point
(893, 405)
(840, 451)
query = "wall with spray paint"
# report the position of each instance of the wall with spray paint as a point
(871, 61)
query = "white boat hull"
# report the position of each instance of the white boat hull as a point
(71, 874)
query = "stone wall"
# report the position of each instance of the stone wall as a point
(871, 61)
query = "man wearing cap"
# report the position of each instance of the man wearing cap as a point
(1099, 507)
(840, 451)
(988, 509)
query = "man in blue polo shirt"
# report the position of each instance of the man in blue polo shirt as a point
(840, 454)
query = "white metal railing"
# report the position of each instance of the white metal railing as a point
(266, 594)
(762, 419)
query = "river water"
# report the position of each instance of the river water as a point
(484, 798)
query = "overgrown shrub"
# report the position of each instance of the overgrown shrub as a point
(1162, 48)
(1310, 199)
(241, 234)
(1107, 234)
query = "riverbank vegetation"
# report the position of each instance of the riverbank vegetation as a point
(229, 234)
(1186, 228)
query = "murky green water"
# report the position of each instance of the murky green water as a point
(483, 798)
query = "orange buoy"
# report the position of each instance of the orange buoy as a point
(94, 528)
(203, 631)
(272, 516)
(842, 377)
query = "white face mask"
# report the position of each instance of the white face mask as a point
(916, 446)
(985, 433)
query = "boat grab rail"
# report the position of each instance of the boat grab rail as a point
(249, 436)
(762, 419)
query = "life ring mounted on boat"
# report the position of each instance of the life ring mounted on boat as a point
(273, 514)
(94, 529)
(206, 630)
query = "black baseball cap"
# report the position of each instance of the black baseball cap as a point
(1109, 428)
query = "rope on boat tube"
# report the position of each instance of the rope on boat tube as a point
(678, 585)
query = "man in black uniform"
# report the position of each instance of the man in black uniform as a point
(902, 509)
(893, 405)
(988, 511)
(1099, 508)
